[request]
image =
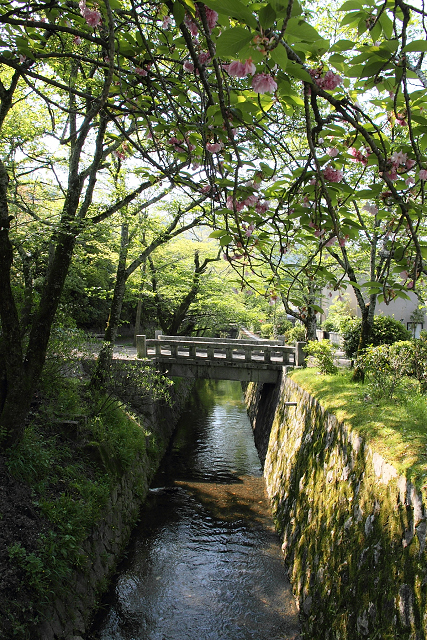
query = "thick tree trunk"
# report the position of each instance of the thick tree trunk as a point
(310, 325)
(368, 312)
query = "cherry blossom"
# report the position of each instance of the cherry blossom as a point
(371, 208)
(264, 83)
(358, 156)
(77, 40)
(167, 20)
(398, 158)
(262, 207)
(333, 175)
(204, 57)
(234, 204)
(141, 72)
(251, 200)
(188, 66)
(214, 147)
(423, 174)
(409, 181)
(333, 152)
(191, 25)
(92, 16)
(329, 81)
(239, 69)
(410, 163)
(211, 17)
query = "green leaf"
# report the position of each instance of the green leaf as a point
(279, 56)
(297, 71)
(351, 5)
(178, 13)
(231, 41)
(225, 240)
(301, 30)
(217, 234)
(235, 9)
(416, 45)
(342, 45)
(352, 18)
(267, 16)
(316, 308)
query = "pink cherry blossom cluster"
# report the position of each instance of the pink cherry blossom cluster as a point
(211, 18)
(264, 83)
(214, 147)
(371, 208)
(181, 145)
(328, 81)
(204, 58)
(358, 156)
(92, 16)
(167, 21)
(250, 201)
(239, 69)
(423, 174)
(333, 175)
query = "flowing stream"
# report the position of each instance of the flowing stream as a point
(204, 562)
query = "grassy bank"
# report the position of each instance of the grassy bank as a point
(396, 429)
(56, 483)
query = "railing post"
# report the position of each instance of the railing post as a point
(192, 350)
(157, 333)
(174, 349)
(141, 346)
(267, 354)
(158, 348)
(248, 353)
(300, 354)
(210, 352)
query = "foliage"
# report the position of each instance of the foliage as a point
(338, 314)
(295, 334)
(323, 352)
(383, 370)
(386, 330)
(305, 140)
(267, 330)
(71, 462)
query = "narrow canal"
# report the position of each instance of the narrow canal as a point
(205, 562)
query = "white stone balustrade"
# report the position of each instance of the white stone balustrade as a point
(220, 350)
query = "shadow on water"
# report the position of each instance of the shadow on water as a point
(205, 562)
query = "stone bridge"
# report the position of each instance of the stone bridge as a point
(220, 358)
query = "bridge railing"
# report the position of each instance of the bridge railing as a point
(220, 351)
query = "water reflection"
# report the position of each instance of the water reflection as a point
(205, 562)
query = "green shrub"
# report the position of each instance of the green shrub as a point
(385, 330)
(323, 353)
(267, 330)
(386, 367)
(296, 334)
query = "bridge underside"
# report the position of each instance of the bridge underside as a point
(241, 371)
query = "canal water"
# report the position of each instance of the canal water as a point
(205, 562)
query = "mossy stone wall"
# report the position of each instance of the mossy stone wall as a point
(67, 618)
(353, 531)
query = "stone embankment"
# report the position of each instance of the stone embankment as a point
(353, 530)
(68, 619)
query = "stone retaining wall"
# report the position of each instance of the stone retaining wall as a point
(353, 531)
(68, 619)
